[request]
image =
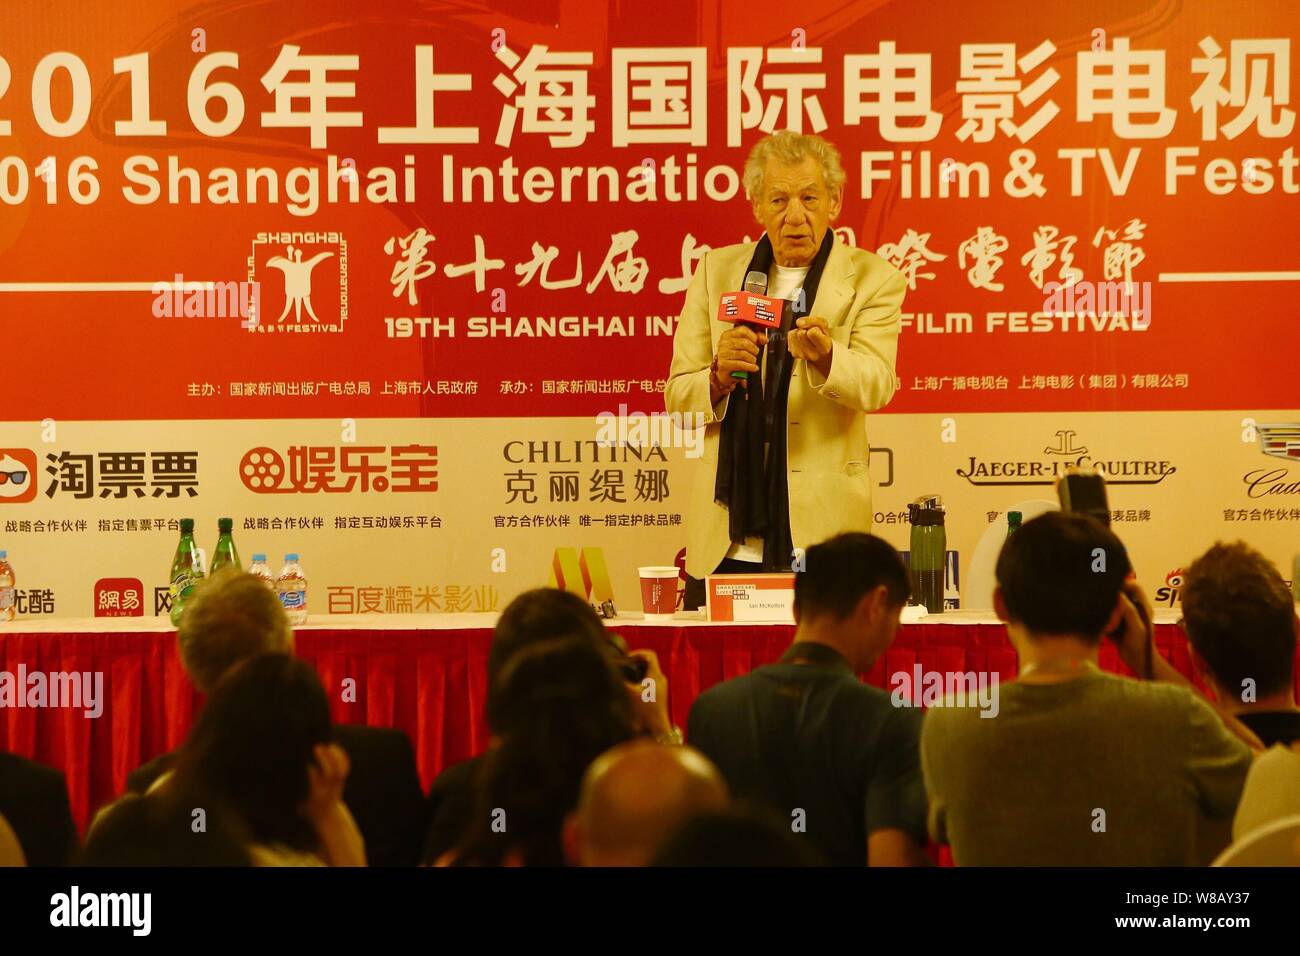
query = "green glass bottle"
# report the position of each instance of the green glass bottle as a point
(225, 555)
(1013, 522)
(187, 570)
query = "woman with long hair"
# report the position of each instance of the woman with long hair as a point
(557, 705)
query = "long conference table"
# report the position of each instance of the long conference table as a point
(422, 673)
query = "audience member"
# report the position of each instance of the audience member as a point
(11, 851)
(538, 615)
(1272, 791)
(233, 617)
(1079, 767)
(164, 829)
(634, 797)
(261, 753)
(1241, 625)
(1274, 844)
(806, 737)
(739, 836)
(557, 705)
(34, 799)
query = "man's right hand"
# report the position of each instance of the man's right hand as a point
(737, 352)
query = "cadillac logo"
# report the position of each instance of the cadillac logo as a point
(1280, 441)
(1277, 441)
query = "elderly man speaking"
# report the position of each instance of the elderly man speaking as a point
(785, 452)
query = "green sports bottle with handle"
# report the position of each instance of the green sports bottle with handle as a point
(929, 552)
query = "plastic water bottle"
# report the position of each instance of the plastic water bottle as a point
(292, 587)
(8, 596)
(260, 569)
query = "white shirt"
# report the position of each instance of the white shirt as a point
(786, 281)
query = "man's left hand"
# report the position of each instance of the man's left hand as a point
(810, 340)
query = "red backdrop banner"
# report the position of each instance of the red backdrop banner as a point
(468, 209)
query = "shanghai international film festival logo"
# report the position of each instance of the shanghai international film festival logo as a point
(1064, 452)
(304, 281)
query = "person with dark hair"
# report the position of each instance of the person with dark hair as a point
(557, 705)
(538, 615)
(544, 613)
(261, 753)
(160, 830)
(34, 799)
(806, 737)
(737, 836)
(1080, 767)
(1241, 626)
(233, 617)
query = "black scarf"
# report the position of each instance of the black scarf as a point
(758, 495)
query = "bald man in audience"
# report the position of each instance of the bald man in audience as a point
(634, 797)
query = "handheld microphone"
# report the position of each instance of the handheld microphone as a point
(755, 284)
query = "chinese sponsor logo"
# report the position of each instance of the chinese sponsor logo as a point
(1276, 441)
(33, 602)
(1064, 453)
(1167, 595)
(1280, 441)
(582, 572)
(119, 597)
(312, 270)
(564, 484)
(17, 475)
(412, 599)
(118, 474)
(311, 469)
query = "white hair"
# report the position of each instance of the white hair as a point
(792, 148)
